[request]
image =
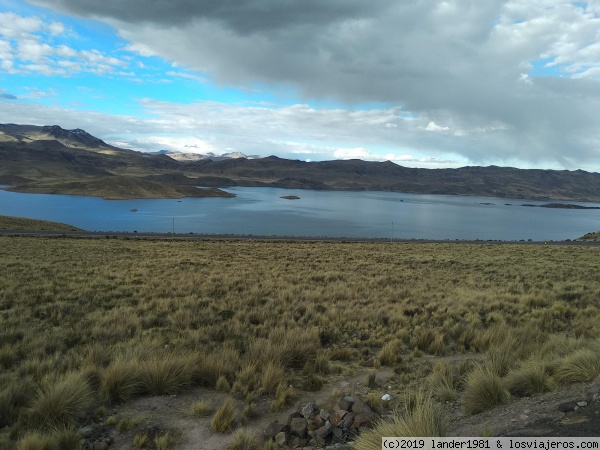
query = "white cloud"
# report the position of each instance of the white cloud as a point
(352, 153)
(432, 126)
(29, 46)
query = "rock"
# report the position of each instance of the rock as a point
(369, 362)
(338, 433)
(347, 402)
(86, 431)
(310, 410)
(273, 429)
(297, 442)
(299, 427)
(336, 418)
(567, 406)
(100, 445)
(347, 422)
(318, 422)
(324, 414)
(294, 415)
(386, 397)
(360, 420)
(360, 407)
(592, 393)
(323, 432)
(580, 404)
(281, 438)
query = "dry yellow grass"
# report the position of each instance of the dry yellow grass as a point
(250, 316)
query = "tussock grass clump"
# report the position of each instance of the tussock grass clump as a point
(390, 352)
(244, 440)
(273, 375)
(14, 398)
(59, 439)
(442, 382)
(120, 381)
(529, 379)
(422, 418)
(67, 439)
(484, 390)
(166, 374)
(61, 402)
(201, 408)
(583, 365)
(283, 395)
(36, 441)
(224, 418)
(162, 442)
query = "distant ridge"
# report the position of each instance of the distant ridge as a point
(51, 159)
(189, 156)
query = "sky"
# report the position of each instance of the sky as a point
(422, 83)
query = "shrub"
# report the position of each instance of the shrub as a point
(224, 418)
(483, 390)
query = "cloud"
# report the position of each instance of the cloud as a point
(28, 45)
(6, 96)
(469, 72)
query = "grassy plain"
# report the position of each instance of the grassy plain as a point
(92, 322)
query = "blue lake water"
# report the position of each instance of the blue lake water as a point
(261, 211)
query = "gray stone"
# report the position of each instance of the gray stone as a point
(567, 406)
(310, 410)
(100, 445)
(86, 431)
(299, 427)
(592, 393)
(347, 402)
(338, 433)
(581, 404)
(281, 438)
(272, 429)
(323, 432)
(325, 415)
(294, 415)
(360, 407)
(347, 422)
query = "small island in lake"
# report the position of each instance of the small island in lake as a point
(290, 197)
(562, 205)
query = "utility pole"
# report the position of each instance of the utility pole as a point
(392, 239)
(173, 228)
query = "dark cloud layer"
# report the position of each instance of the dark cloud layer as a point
(466, 66)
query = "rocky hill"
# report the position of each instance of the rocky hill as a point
(51, 159)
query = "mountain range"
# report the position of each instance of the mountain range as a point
(50, 159)
(190, 156)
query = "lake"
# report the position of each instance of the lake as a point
(261, 211)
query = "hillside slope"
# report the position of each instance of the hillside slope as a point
(54, 160)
